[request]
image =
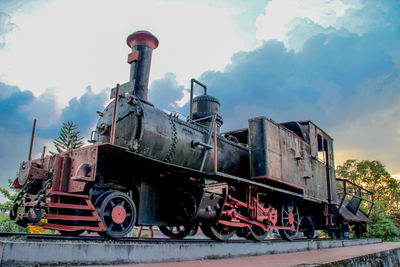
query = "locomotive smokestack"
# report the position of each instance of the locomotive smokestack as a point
(142, 43)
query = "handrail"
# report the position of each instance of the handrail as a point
(205, 149)
(362, 193)
(350, 182)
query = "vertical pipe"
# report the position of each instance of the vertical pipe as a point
(114, 120)
(191, 101)
(32, 138)
(43, 152)
(215, 148)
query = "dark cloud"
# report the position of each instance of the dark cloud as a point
(13, 115)
(165, 92)
(82, 110)
(331, 70)
(19, 108)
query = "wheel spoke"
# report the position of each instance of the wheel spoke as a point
(107, 213)
(285, 212)
(176, 231)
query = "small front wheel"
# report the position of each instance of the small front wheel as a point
(118, 214)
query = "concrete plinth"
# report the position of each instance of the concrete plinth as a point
(106, 252)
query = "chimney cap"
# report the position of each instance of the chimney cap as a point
(142, 38)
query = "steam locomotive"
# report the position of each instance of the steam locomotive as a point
(147, 167)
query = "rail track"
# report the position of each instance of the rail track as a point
(88, 238)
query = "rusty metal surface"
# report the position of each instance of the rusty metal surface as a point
(348, 215)
(281, 154)
(85, 156)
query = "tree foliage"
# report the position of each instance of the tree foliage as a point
(373, 176)
(384, 225)
(6, 225)
(69, 137)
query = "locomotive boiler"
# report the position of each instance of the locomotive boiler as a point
(147, 167)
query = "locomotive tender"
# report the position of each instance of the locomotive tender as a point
(147, 167)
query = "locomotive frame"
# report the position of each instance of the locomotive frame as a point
(150, 168)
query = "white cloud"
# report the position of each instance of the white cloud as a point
(67, 45)
(283, 16)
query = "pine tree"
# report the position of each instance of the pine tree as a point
(69, 137)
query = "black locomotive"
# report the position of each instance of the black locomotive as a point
(146, 167)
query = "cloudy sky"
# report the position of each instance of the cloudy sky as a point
(335, 62)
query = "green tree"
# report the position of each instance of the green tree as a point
(373, 176)
(69, 137)
(6, 225)
(384, 226)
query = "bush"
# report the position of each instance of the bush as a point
(384, 228)
(6, 225)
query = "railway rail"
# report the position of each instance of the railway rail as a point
(88, 238)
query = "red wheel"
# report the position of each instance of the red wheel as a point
(289, 216)
(218, 232)
(255, 233)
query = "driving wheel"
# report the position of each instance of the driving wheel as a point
(177, 231)
(289, 216)
(255, 233)
(218, 231)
